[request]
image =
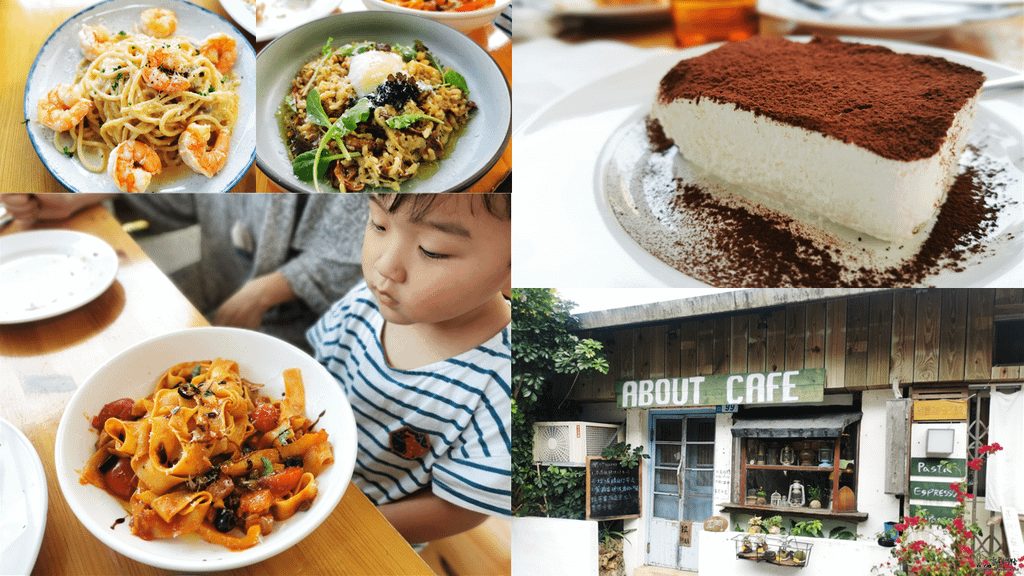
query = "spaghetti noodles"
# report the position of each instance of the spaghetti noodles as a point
(146, 90)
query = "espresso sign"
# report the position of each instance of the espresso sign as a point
(782, 387)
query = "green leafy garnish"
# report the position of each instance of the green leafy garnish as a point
(355, 48)
(315, 110)
(408, 52)
(406, 120)
(327, 47)
(315, 113)
(68, 153)
(195, 370)
(453, 78)
(268, 468)
(302, 166)
(359, 112)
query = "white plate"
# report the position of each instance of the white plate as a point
(561, 145)
(134, 373)
(44, 273)
(482, 142)
(23, 491)
(896, 16)
(593, 9)
(59, 58)
(304, 11)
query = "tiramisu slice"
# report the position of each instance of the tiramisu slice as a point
(854, 133)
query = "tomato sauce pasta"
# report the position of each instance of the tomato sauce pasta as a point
(207, 454)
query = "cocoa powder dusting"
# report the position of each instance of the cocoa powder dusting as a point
(656, 134)
(857, 93)
(743, 248)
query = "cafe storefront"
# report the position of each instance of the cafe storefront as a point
(829, 405)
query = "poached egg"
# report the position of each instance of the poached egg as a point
(370, 69)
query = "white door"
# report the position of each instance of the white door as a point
(682, 468)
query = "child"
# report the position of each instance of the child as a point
(422, 349)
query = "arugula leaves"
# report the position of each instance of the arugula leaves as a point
(455, 79)
(336, 131)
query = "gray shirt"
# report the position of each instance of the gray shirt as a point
(315, 241)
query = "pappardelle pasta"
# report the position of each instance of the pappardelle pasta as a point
(207, 454)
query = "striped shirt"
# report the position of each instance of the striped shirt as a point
(445, 426)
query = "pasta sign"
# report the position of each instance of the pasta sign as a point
(780, 387)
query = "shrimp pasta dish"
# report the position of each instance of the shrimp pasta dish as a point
(206, 454)
(367, 115)
(146, 100)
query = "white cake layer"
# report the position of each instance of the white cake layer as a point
(818, 174)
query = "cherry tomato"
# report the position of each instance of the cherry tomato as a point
(120, 409)
(265, 417)
(121, 479)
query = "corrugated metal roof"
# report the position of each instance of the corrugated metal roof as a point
(714, 304)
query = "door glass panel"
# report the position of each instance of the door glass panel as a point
(700, 455)
(666, 506)
(669, 430)
(698, 482)
(666, 481)
(700, 430)
(667, 455)
(697, 509)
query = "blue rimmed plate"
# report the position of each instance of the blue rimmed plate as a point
(59, 58)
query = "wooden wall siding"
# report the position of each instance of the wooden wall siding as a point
(913, 336)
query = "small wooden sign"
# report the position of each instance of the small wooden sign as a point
(940, 410)
(685, 533)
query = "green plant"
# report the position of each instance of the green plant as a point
(627, 456)
(815, 492)
(947, 549)
(546, 354)
(773, 521)
(807, 528)
(607, 535)
(761, 493)
(841, 533)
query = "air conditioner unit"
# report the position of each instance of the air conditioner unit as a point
(569, 443)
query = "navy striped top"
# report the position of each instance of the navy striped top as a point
(446, 425)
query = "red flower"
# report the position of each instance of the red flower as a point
(958, 523)
(975, 464)
(968, 534)
(901, 526)
(913, 520)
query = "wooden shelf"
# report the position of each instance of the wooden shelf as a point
(791, 468)
(765, 511)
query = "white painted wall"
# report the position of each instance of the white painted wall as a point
(554, 546)
(828, 558)
(871, 496)
(634, 547)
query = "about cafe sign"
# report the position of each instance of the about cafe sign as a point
(781, 387)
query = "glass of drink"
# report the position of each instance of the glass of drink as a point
(702, 21)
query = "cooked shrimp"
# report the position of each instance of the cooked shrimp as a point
(94, 40)
(159, 22)
(132, 165)
(221, 50)
(158, 63)
(63, 108)
(192, 149)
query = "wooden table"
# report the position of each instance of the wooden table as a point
(22, 170)
(41, 365)
(998, 40)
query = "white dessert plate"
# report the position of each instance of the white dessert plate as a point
(59, 58)
(134, 373)
(280, 16)
(898, 16)
(596, 9)
(44, 273)
(23, 492)
(573, 237)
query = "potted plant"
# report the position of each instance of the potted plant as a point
(754, 525)
(762, 498)
(816, 493)
(774, 524)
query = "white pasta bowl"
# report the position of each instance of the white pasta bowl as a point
(134, 373)
(464, 22)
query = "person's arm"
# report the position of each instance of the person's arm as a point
(425, 517)
(32, 207)
(245, 308)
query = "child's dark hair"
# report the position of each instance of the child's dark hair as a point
(497, 205)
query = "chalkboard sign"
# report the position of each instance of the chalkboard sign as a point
(613, 491)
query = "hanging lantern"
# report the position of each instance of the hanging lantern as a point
(776, 499)
(796, 493)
